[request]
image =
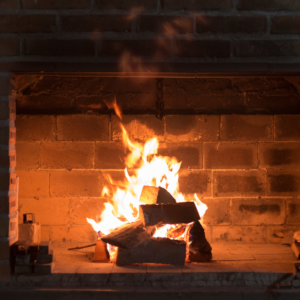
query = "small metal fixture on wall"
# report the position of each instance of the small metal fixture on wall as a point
(159, 98)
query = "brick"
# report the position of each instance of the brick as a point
(283, 183)
(218, 212)
(7, 110)
(34, 183)
(197, 5)
(73, 234)
(76, 183)
(231, 24)
(8, 204)
(293, 211)
(276, 234)
(264, 48)
(285, 25)
(168, 25)
(139, 127)
(83, 128)
(9, 4)
(253, 211)
(7, 158)
(128, 4)
(4, 249)
(202, 48)
(31, 233)
(27, 24)
(279, 155)
(4, 272)
(45, 234)
(67, 155)
(287, 128)
(9, 47)
(56, 4)
(239, 183)
(191, 182)
(82, 208)
(5, 86)
(8, 225)
(268, 5)
(29, 155)
(239, 234)
(126, 50)
(56, 47)
(7, 181)
(230, 156)
(191, 154)
(109, 155)
(49, 211)
(246, 128)
(36, 128)
(90, 23)
(45, 104)
(192, 128)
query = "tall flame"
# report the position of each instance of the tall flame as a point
(146, 168)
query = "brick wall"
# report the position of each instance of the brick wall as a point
(8, 196)
(172, 31)
(245, 168)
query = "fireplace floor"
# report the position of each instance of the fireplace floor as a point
(233, 265)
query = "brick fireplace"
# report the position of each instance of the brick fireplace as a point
(231, 81)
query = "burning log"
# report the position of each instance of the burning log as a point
(198, 248)
(156, 195)
(155, 250)
(185, 212)
(129, 235)
(175, 233)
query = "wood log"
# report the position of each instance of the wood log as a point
(198, 248)
(297, 236)
(101, 254)
(129, 235)
(296, 249)
(176, 232)
(156, 195)
(155, 250)
(185, 212)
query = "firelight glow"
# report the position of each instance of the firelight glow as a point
(146, 168)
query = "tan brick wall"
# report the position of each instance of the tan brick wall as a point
(237, 165)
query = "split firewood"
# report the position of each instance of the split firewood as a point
(185, 212)
(198, 248)
(101, 253)
(129, 235)
(296, 249)
(156, 195)
(155, 250)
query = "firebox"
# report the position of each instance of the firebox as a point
(149, 145)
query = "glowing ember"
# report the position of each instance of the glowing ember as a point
(147, 168)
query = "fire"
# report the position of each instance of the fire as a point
(147, 168)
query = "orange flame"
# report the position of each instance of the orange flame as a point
(149, 169)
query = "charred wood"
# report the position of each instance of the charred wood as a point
(198, 248)
(155, 250)
(177, 213)
(129, 235)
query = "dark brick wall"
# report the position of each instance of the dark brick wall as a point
(149, 31)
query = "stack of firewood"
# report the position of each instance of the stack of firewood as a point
(158, 207)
